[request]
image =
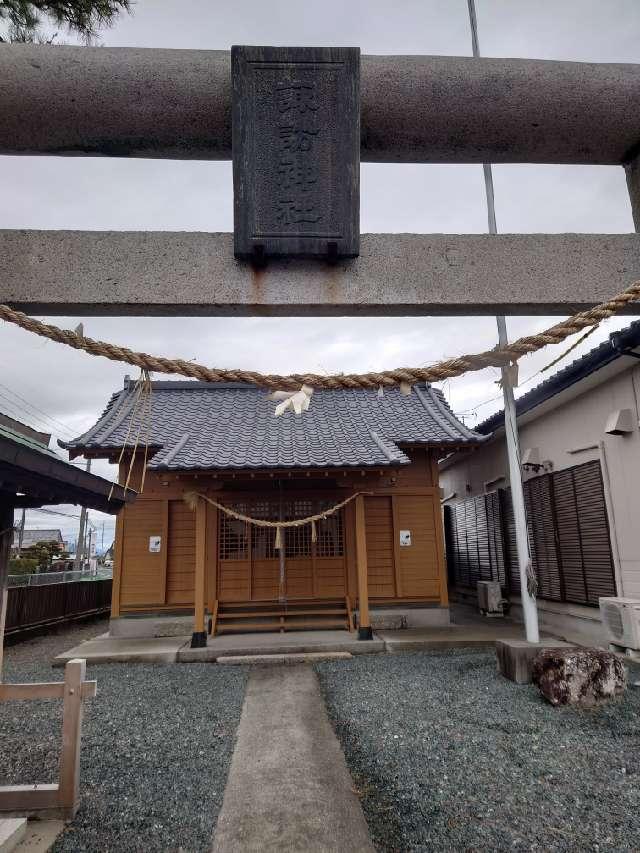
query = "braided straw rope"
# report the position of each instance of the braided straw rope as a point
(191, 499)
(447, 369)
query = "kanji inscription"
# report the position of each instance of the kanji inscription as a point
(296, 151)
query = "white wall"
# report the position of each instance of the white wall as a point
(571, 425)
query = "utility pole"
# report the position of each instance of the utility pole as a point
(529, 608)
(21, 532)
(80, 547)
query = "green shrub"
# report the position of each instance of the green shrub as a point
(22, 566)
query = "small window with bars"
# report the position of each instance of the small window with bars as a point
(297, 540)
(330, 533)
(234, 541)
(263, 538)
(234, 534)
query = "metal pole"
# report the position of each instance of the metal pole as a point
(529, 608)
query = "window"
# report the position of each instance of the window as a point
(234, 534)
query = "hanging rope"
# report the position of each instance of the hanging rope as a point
(447, 369)
(191, 499)
(142, 392)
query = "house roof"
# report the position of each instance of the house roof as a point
(39, 437)
(618, 345)
(32, 475)
(201, 425)
(31, 536)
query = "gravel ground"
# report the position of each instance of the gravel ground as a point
(156, 747)
(447, 755)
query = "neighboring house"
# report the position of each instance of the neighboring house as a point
(580, 453)
(223, 440)
(31, 476)
(33, 535)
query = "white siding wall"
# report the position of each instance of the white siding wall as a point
(577, 423)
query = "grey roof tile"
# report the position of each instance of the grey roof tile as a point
(199, 425)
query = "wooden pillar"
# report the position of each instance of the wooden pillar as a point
(212, 557)
(118, 553)
(199, 638)
(364, 622)
(6, 538)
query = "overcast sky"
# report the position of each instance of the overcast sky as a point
(62, 391)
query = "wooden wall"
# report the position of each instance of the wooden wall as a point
(400, 499)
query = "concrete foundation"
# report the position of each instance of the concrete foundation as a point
(132, 627)
(387, 618)
(398, 618)
(515, 657)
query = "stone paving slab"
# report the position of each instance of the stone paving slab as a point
(12, 831)
(299, 642)
(288, 788)
(308, 657)
(455, 636)
(107, 649)
(40, 836)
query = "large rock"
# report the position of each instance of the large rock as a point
(583, 677)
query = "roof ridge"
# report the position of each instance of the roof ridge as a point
(442, 415)
(384, 448)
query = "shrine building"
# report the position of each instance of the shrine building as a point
(380, 554)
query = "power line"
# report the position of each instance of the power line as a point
(40, 416)
(48, 511)
(51, 418)
(20, 413)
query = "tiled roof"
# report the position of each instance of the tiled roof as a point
(31, 536)
(200, 425)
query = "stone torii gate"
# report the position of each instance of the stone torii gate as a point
(68, 101)
(130, 102)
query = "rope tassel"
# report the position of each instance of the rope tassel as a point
(277, 545)
(314, 532)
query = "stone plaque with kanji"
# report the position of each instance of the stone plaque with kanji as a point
(296, 151)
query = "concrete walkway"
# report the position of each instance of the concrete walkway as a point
(289, 788)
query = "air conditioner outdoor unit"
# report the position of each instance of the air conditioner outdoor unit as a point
(490, 600)
(621, 619)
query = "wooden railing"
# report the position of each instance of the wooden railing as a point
(48, 800)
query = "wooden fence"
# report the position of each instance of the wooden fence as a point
(37, 606)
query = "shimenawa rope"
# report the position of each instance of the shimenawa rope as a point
(191, 499)
(447, 369)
